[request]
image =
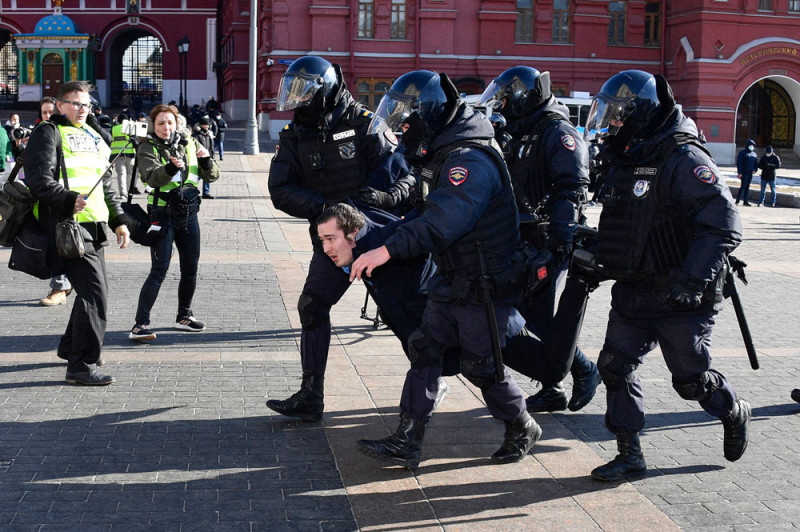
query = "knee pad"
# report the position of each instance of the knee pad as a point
(422, 350)
(479, 371)
(615, 367)
(313, 311)
(697, 388)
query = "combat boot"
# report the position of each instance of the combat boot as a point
(548, 399)
(629, 463)
(796, 394)
(736, 426)
(521, 434)
(585, 379)
(307, 403)
(404, 447)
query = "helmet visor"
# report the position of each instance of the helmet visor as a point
(605, 117)
(392, 112)
(295, 91)
(493, 97)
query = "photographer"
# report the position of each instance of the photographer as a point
(172, 164)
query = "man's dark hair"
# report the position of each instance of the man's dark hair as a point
(73, 86)
(347, 217)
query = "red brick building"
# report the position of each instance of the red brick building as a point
(734, 64)
(123, 46)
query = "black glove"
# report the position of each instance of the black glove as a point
(561, 250)
(686, 295)
(377, 198)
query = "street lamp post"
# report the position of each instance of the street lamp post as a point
(183, 52)
(251, 132)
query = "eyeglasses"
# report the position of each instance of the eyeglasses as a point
(79, 105)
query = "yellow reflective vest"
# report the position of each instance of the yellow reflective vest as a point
(119, 142)
(86, 159)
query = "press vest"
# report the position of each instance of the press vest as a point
(119, 141)
(335, 166)
(496, 229)
(192, 179)
(86, 159)
(639, 235)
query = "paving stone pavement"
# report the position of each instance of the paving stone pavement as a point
(183, 441)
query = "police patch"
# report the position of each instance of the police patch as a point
(569, 142)
(640, 188)
(705, 174)
(458, 174)
(347, 150)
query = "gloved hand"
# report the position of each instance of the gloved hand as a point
(686, 295)
(561, 250)
(377, 198)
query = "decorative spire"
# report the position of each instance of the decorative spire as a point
(57, 7)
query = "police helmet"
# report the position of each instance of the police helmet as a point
(309, 81)
(633, 101)
(517, 92)
(424, 100)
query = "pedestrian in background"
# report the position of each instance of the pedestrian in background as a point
(219, 139)
(205, 138)
(768, 163)
(746, 166)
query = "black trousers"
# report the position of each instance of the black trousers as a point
(83, 340)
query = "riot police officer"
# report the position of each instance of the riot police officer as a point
(667, 226)
(469, 223)
(325, 155)
(548, 161)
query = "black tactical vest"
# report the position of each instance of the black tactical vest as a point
(529, 173)
(496, 230)
(640, 234)
(334, 163)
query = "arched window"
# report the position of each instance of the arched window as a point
(9, 69)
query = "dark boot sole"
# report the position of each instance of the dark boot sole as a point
(303, 417)
(514, 459)
(627, 476)
(552, 406)
(408, 464)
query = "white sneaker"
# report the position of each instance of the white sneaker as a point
(188, 323)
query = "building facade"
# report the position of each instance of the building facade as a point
(127, 48)
(734, 64)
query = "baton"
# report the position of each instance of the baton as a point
(740, 317)
(491, 316)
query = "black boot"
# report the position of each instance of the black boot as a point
(307, 403)
(548, 399)
(521, 434)
(585, 379)
(402, 448)
(736, 424)
(629, 463)
(796, 394)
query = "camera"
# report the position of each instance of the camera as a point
(134, 129)
(20, 133)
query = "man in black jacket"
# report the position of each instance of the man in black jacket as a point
(84, 155)
(325, 156)
(768, 164)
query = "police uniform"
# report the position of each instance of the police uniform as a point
(123, 165)
(469, 201)
(667, 218)
(86, 160)
(549, 165)
(313, 166)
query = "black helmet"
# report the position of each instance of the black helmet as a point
(424, 100)
(517, 92)
(309, 81)
(634, 99)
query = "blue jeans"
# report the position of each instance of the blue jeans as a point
(60, 282)
(219, 145)
(764, 191)
(185, 232)
(744, 189)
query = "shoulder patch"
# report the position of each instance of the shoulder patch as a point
(458, 174)
(390, 136)
(286, 127)
(366, 113)
(568, 141)
(705, 174)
